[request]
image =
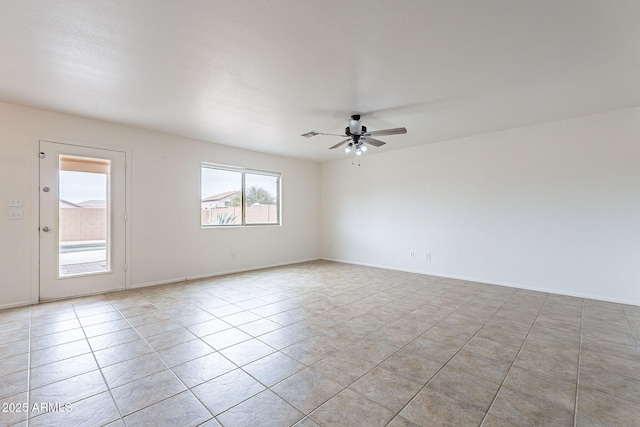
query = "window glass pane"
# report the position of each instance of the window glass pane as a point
(84, 220)
(221, 197)
(261, 199)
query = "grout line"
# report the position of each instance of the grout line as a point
(575, 410)
(97, 364)
(451, 358)
(514, 360)
(162, 361)
(29, 370)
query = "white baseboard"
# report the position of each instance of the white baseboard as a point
(15, 304)
(219, 273)
(490, 282)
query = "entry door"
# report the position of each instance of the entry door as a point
(82, 220)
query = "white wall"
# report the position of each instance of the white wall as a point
(167, 242)
(553, 207)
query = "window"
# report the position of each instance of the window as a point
(236, 196)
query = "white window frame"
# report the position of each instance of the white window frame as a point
(245, 171)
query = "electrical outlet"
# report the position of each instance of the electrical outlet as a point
(427, 256)
(15, 201)
(16, 214)
(233, 254)
(412, 254)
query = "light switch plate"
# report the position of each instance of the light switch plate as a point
(16, 214)
(15, 201)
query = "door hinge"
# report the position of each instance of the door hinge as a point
(42, 155)
(124, 217)
(125, 167)
(125, 267)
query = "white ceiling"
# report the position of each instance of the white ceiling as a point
(256, 74)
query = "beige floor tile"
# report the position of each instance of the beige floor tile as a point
(170, 339)
(106, 327)
(307, 389)
(592, 360)
(309, 350)
(95, 319)
(226, 338)
(496, 333)
(113, 339)
(281, 338)
(146, 391)
(57, 338)
(14, 383)
(97, 410)
(399, 421)
(184, 352)
(69, 390)
(273, 368)
(386, 389)
(59, 352)
(306, 422)
(479, 365)
(241, 318)
(406, 364)
(493, 421)
(15, 409)
(562, 369)
(430, 408)
(157, 328)
(465, 388)
(525, 410)
(53, 326)
(225, 391)
(601, 409)
(13, 364)
(542, 386)
(621, 386)
(624, 338)
(203, 369)
(312, 329)
(553, 349)
(607, 347)
(58, 371)
(247, 351)
(132, 369)
(208, 327)
(349, 409)
(164, 413)
(120, 353)
(343, 367)
(262, 410)
(194, 318)
(428, 348)
(372, 350)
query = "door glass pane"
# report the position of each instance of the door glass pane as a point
(84, 220)
(261, 199)
(221, 197)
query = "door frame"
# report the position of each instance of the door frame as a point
(35, 210)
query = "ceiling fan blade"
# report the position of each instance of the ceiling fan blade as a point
(373, 141)
(340, 143)
(394, 131)
(314, 133)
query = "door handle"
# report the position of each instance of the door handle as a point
(46, 229)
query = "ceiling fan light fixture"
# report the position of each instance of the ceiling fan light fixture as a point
(347, 149)
(358, 152)
(363, 148)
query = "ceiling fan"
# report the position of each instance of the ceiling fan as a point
(357, 136)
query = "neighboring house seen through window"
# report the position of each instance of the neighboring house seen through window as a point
(236, 196)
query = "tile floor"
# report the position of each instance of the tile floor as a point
(321, 344)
